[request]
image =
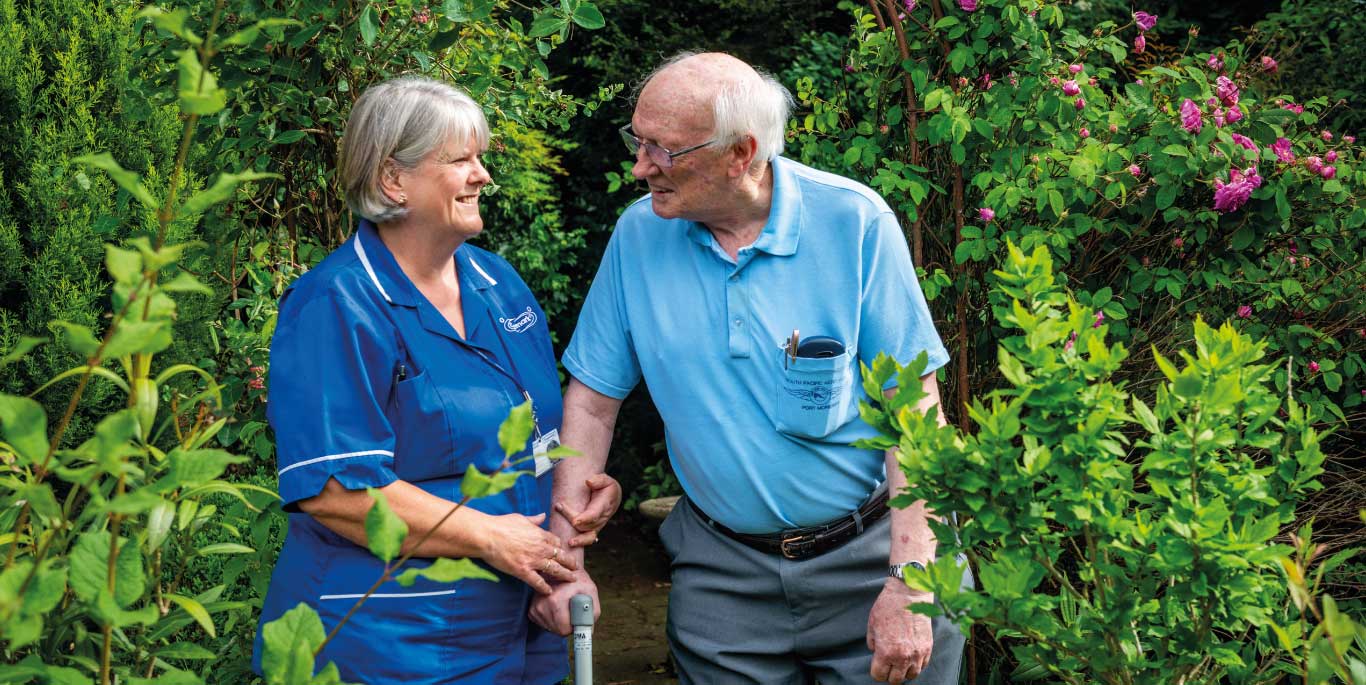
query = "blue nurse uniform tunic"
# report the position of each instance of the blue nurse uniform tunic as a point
(370, 384)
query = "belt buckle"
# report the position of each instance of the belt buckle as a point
(795, 546)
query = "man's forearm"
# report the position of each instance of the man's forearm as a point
(589, 418)
(912, 539)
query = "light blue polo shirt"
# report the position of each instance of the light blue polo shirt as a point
(759, 443)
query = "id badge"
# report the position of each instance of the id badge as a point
(548, 441)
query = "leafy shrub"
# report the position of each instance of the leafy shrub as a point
(1112, 558)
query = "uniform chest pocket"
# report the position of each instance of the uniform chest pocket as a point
(423, 448)
(814, 395)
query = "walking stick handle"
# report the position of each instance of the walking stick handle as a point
(581, 617)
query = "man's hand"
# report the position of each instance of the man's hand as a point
(552, 611)
(603, 499)
(901, 641)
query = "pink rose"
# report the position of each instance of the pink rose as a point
(1349, 139)
(1330, 156)
(1053, 80)
(1244, 312)
(1218, 117)
(1313, 367)
(1244, 141)
(1326, 135)
(1080, 103)
(1135, 171)
(1313, 164)
(1092, 81)
(967, 5)
(1227, 90)
(1140, 43)
(1191, 118)
(1178, 242)
(1268, 64)
(1328, 172)
(986, 214)
(1085, 132)
(1070, 88)
(1114, 129)
(1229, 197)
(910, 6)
(1138, 81)
(1234, 114)
(1214, 63)
(1074, 68)
(1282, 149)
(1145, 21)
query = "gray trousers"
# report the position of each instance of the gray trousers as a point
(738, 615)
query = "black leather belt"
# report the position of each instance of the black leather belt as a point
(804, 543)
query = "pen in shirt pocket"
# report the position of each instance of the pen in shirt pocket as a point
(400, 372)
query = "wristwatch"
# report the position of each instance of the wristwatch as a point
(898, 571)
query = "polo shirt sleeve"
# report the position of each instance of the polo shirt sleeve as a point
(601, 354)
(894, 317)
(330, 375)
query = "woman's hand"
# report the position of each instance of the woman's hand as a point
(518, 546)
(603, 499)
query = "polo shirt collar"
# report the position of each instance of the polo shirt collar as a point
(784, 227)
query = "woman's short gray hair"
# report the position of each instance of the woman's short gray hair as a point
(403, 120)
(739, 110)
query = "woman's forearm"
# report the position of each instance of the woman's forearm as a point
(343, 511)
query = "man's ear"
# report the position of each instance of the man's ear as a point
(742, 157)
(391, 182)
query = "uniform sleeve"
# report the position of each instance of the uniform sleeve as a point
(894, 317)
(601, 353)
(330, 375)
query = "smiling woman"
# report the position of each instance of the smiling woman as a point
(379, 349)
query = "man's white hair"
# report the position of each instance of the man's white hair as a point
(740, 110)
(402, 121)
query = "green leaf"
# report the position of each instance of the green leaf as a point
(368, 31)
(289, 641)
(25, 345)
(196, 611)
(127, 180)
(185, 283)
(384, 530)
(199, 91)
(248, 35)
(90, 569)
(1242, 237)
(516, 429)
(196, 467)
(132, 337)
(443, 40)
(185, 651)
(159, 521)
(588, 16)
(476, 484)
(124, 265)
(1176, 150)
(545, 24)
(1166, 195)
(222, 188)
(173, 21)
(446, 571)
(25, 427)
(1332, 380)
(223, 548)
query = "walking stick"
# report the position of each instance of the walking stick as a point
(581, 617)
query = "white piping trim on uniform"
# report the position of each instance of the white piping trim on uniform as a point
(390, 595)
(332, 457)
(483, 273)
(365, 261)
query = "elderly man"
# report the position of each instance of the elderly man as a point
(745, 290)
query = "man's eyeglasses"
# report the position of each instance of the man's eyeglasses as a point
(662, 157)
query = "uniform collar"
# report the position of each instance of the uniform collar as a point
(784, 227)
(389, 279)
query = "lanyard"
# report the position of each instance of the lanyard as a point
(514, 375)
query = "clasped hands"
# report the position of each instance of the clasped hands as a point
(550, 610)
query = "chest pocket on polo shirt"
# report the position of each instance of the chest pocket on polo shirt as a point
(422, 444)
(815, 395)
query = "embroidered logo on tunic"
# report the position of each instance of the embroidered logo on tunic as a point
(519, 323)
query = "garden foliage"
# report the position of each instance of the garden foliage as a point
(1118, 537)
(1169, 184)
